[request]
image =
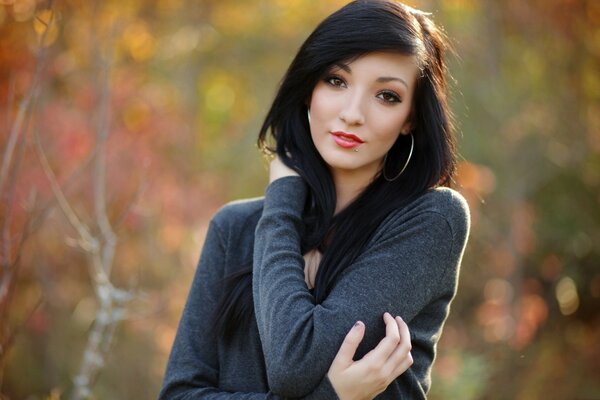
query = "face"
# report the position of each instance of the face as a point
(358, 109)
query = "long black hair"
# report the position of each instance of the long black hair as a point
(359, 28)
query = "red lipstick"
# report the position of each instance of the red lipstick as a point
(346, 140)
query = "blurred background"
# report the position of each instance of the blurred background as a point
(125, 124)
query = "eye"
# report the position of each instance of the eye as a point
(389, 97)
(335, 81)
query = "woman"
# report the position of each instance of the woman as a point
(356, 223)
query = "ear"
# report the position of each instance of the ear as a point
(406, 128)
(409, 124)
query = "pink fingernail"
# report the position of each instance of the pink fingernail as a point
(357, 324)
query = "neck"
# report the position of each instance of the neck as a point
(348, 186)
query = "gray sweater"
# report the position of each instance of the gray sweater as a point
(408, 268)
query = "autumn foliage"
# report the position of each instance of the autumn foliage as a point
(155, 106)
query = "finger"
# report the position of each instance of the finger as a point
(405, 364)
(344, 356)
(405, 345)
(388, 344)
(401, 359)
(404, 332)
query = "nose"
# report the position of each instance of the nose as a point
(352, 113)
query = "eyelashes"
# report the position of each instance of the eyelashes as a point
(335, 81)
(387, 96)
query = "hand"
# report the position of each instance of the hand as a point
(277, 169)
(371, 375)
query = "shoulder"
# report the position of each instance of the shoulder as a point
(446, 202)
(238, 213)
(440, 209)
(449, 205)
(234, 224)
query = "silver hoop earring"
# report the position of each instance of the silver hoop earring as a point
(412, 146)
(308, 114)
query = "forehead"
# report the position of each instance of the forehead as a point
(381, 64)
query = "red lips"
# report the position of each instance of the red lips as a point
(346, 140)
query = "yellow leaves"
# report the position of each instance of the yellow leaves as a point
(135, 115)
(219, 95)
(590, 81)
(43, 20)
(138, 41)
(55, 394)
(226, 93)
(567, 296)
(185, 39)
(169, 7)
(458, 5)
(45, 27)
(235, 17)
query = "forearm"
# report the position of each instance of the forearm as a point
(402, 272)
(278, 267)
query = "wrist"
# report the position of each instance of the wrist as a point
(344, 392)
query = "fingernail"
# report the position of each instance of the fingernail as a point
(400, 318)
(357, 324)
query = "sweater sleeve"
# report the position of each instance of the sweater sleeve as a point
(406, 267)
(193, 369)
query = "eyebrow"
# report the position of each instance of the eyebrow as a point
(383, 79)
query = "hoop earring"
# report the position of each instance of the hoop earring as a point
(308, 114)
(412, 146)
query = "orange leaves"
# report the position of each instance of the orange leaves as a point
(475, 182)
(477, 178)
(22, 10)
(495, 313)
(532, 312)
(510, 317)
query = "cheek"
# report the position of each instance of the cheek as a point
(322, 104)
(391, 122)
(388, 128)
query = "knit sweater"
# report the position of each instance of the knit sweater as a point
(408, 268)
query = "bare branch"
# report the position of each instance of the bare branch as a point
(48, 206)
(17, 138)
(25, 104)
(89, 242)
(111, 300)
(141, 188)
(12, 186)
(99, 178)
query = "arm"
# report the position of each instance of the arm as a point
(400, 272)
(193, 370)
